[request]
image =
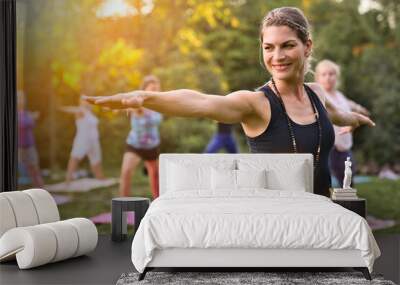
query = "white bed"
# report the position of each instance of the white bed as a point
(247, 210)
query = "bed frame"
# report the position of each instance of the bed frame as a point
(256, 258)
(249, 257)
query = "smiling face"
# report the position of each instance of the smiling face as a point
(285, 55)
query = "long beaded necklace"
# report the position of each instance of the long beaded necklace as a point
(290, 127)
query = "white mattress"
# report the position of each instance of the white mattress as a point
(256, 218)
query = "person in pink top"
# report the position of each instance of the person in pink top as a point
(327, 75)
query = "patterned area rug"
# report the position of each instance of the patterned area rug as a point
(244, 278)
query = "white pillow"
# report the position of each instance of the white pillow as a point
(251, 178)
(188, 177)
(223, 179)
(193, 174)
(293, 180)
(229, 180)
(282, 174)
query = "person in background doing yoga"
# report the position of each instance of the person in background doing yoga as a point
(223, 138)
(327, 74)
(143, 142)
(27, 153)
(86, 141)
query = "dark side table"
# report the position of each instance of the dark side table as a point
(119, 207)
(358, 205)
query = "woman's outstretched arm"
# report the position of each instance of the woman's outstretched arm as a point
(232, 108)
(358, 108)
(75, 110)
(338, 116)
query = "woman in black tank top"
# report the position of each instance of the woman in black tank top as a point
(286, 47)
(276, 138)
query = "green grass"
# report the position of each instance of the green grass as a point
(383, 201)
(97, 201)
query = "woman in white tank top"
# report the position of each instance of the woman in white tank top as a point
(86, 141)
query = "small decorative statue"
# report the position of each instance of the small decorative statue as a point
(347, 174)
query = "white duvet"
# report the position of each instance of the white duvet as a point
(250, 219)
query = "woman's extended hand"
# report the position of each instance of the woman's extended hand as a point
(118, 101)
(361, 120)
(364, 120)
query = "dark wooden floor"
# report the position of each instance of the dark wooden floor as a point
(110, 260)
(103, 266)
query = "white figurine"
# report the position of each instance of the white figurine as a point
(347, 174)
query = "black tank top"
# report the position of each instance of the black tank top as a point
(276, 138)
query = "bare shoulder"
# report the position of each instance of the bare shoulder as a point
(317, 88)
(234, 107)
(254, 122)
(243, 94)
(251, 97)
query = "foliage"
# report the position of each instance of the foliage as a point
(181, 135)
(208, 45)
(366, 46)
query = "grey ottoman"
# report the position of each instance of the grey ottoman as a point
(119, 207)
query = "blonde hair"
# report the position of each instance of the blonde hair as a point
(293, 18)
(330, 64)
(147, 80)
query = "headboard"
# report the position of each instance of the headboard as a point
(269, 159)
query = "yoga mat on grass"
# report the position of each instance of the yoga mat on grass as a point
(379, 224)
(81, 185)
(105, 218)
(61, 199)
